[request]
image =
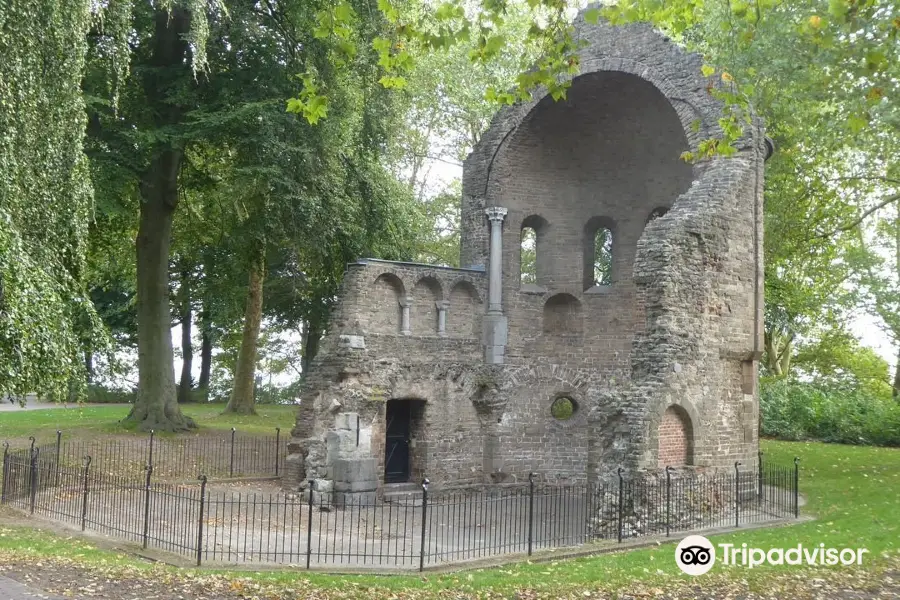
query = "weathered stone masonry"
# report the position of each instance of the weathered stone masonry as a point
(451, 373)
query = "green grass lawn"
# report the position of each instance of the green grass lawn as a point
(854, 493)
(88, 420)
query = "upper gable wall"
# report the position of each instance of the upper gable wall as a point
(610, 153)
(635, 49)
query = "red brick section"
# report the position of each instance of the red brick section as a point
(674, 438)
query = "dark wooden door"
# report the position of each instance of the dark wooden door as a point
(396, 446)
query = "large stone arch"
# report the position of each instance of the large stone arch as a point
(636, 50)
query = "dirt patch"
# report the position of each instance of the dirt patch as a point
(76, 581)
(83, 582)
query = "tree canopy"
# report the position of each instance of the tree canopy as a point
(45, 198)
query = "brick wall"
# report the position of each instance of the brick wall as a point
(675, 438)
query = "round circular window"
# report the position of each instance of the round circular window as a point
(563, 408)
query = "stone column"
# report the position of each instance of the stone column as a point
(405, 303)
(495, 325)
(495, 215)
(442, 307)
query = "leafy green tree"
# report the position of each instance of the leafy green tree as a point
(300, 201)
(837, 359)
(878, 263)
(168, 117)
(46, 318)
(439, 240)
(823, 75)
(145, 130)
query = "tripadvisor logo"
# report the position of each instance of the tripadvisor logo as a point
(696, 555)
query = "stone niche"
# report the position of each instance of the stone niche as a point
(598, 267)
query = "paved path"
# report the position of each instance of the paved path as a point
(31, 404)
(13, 590)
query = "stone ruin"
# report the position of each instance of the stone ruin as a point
(625, 333)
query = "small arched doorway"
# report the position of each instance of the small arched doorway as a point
(403, 443)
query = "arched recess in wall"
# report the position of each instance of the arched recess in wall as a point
(599, 252)
(386, 310)
(423, 314)
(676, 438)
(533, 265)
(563, 315)
(464, 311)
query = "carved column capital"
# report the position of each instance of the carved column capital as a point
(495, 213)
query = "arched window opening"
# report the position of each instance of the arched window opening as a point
(528, 256)
(533, 266)
(603, 240)
(598, 252)
(657, 213)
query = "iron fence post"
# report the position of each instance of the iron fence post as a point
(58, 447)
(277, 448)
(5, 481)
(30, 462)
(796, 487)
(84, 498)
(146, 534)
(530, 511)
(425, 483)
(33, 479)
(309, 524)
(668, 499)
(737, 494)
(231, 461)
(759, 492)
(150, 454)
(619, 508)
(200, 520)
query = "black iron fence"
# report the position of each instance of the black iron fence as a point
(208, 522)
(230, 455)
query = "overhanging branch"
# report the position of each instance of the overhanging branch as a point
(862, 217)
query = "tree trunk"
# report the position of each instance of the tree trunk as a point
(187, 348)
(242, 396)
(897, 378)
(778, 353)
(156, 406)
(304, 335)
(89, 366)
(206, 347)
(896, 390)
(311, 338)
